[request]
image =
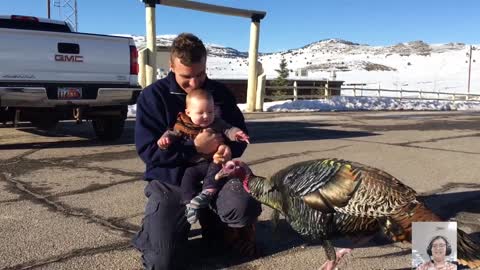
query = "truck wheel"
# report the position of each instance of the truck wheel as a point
(44, 123)
(108, 129)
(6, 116)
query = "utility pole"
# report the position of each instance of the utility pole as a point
(48, 8)
(68, 11)
(469, 70)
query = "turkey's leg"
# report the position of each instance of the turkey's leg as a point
(275, 218)
(333, 258)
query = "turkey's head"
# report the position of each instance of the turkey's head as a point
(235, 169)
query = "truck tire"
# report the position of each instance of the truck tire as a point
(44, 123)
(5, 116)
(108, 129)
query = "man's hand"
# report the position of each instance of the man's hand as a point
(207, 141)
(223, 154)
(241, 136)
(200, 201)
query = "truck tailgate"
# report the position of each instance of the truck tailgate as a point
(63, 57)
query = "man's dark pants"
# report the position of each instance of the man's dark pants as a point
(191, 181)
(164, 233)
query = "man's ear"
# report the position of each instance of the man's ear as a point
(187, 112)
(170, 63)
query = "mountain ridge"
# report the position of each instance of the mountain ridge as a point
(409, 65)
(411, 47)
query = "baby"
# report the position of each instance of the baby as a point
(199, 116)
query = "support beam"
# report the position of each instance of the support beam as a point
(261, 83)
(142, 59)
(252, 65)
(151, 63)
(252, 14)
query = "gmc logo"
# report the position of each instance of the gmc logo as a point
(68, 58)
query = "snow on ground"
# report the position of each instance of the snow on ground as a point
(409, 66)
(439, 68)
(343, 103)
(443, 69)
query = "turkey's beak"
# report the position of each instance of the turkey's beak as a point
(228, 169)
(221, 174)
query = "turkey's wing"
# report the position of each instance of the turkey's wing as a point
(361, 191)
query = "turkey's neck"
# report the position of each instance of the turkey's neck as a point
(263, 190)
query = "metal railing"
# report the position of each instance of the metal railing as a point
(295, 92)
(410, 94)
(322, 92)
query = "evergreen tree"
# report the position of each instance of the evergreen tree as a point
(281, 80)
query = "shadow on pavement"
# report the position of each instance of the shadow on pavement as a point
(268, 242)
(260, 132)
(449, 204)
(286, 239)
(76, 136)
(287, 131)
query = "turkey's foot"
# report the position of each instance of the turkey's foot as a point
(330, 264)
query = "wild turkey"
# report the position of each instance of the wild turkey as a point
(326, 198)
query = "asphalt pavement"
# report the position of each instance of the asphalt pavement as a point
(68, 201)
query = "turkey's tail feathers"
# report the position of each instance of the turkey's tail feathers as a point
(468, 250)
(399, 228)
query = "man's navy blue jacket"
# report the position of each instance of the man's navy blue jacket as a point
(157, 108)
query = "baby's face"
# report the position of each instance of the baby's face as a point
(201, 112)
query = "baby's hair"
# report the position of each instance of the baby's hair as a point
(199, 94)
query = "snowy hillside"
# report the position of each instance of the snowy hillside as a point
(412, 65)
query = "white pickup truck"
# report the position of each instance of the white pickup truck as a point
(49, 73)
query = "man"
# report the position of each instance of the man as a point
(163, 235)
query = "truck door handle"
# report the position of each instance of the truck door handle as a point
(71, 48)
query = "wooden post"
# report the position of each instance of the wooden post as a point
(295, 90)
(150, 65)
(16, 118)
(469, 70)
(252, 64)
(261, 82)
(327, 91)
(142, 55)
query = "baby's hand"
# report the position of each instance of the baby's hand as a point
(164, 142)
(241, 136)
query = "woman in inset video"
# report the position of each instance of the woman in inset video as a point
(438, 249)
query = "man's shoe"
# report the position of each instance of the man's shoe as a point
(242, 241)
(212, 229)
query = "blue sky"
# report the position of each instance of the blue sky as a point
(288, 24)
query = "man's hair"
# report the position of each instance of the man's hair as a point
(188, 48)
(447, 244)
(199, 94)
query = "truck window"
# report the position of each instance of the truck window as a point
(29, 25)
